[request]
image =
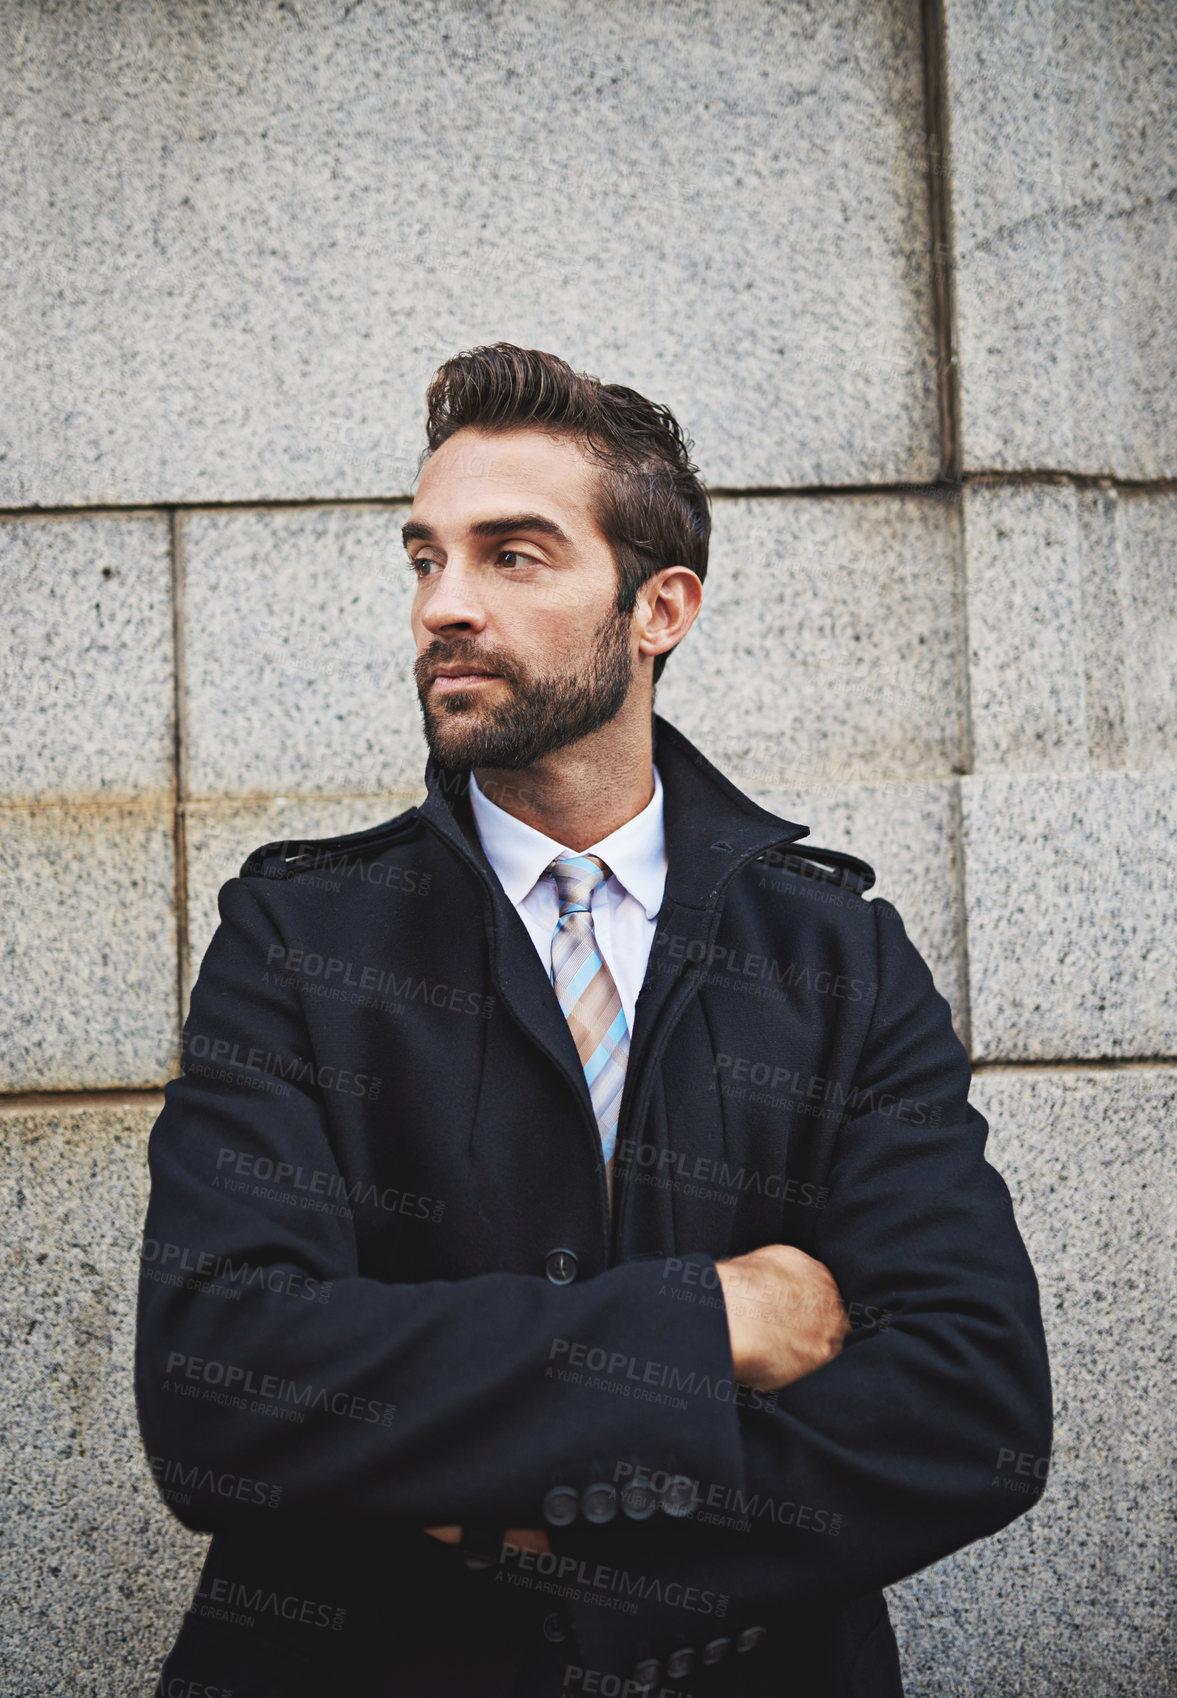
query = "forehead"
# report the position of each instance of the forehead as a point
(476, 474)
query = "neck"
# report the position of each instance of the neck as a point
(579, 794)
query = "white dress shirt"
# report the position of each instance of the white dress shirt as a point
(623, 907)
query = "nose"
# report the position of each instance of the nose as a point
(452, 603)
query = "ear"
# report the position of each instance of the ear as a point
(667, 606)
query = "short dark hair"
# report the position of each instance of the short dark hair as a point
(653, 510)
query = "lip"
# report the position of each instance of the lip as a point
(456, 680)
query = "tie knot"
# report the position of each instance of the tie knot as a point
(577, 876)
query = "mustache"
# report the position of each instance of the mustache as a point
(463, 652)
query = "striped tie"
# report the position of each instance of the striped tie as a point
(587, 993)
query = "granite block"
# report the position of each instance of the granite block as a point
(1063, 160)
(1072, 619)
(1072, 932)
(300, 654)
(88, 989)
(244, 236)
(1147, 559)
(1076, 1595)
(1023, 570)
(86, 673)
(97, 1572)
(828, 650)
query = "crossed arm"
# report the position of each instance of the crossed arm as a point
(785, 1318)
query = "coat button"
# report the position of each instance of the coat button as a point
(716, 1650)
(678, 1496)
(598, 1502)
(561, 1506)
(680, 1663)
(648, 1672)
(750, 1638)
(638, 1500)
(561, 1266)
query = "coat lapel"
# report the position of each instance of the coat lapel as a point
(712, 830)
(515, 968)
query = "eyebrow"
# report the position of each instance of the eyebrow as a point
(416, 531)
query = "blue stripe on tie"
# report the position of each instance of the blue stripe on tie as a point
(618, 1029)
(595, 1063)
(606, 1048)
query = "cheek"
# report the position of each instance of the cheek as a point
(550, 642)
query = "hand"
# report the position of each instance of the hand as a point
(785, 1315)
(523, 1538)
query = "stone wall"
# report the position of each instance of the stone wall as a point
(906, 273)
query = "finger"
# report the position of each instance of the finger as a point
(527, 1539)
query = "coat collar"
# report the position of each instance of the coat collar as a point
(712, 828)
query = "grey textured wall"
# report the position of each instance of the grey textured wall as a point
(907, 274)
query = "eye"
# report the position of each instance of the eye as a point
(421, 565)
(513, 558)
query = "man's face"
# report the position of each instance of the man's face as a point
(520, 649)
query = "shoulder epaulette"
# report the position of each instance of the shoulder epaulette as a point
(831, 865)
(293, 855)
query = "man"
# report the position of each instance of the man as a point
(571, 1264)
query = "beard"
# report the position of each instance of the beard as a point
(542, 713)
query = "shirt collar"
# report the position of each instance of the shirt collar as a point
(635, 853)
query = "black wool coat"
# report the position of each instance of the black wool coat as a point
(382, 1288)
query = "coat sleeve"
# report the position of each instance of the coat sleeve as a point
(431, 1402)
(923, 1434)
